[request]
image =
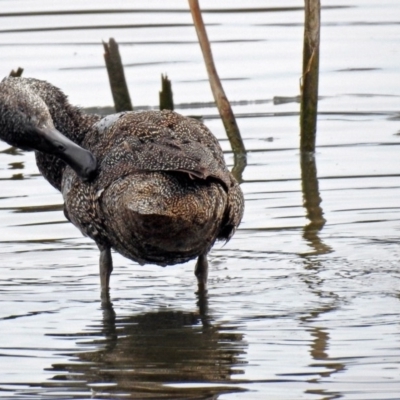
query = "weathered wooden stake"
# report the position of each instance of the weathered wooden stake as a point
(224, 107)
(17, 73)
(309, 87)
(116, 75)
(166, 96)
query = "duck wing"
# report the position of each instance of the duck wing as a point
(156, 141)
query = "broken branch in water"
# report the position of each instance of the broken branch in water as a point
(166, 97)
(224, 107)
(116, 75)
(17, 73)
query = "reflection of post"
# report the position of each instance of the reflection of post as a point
(319, 346)
(311, 202)
(319, 350)
(311, 197)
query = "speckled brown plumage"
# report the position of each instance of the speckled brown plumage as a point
(162, 193)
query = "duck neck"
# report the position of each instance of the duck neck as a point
(71, 121)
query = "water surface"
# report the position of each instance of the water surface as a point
(304, 301)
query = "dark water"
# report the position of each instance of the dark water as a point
(304, 301)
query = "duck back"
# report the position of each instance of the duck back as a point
(163, 193)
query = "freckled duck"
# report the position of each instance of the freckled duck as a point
(151, 185)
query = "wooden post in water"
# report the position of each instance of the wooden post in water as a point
(166, 97)
(17, 73)
(116, 75)
(224, 107)
(309, 87)
(308, 126)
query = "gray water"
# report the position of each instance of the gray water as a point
(304, 301)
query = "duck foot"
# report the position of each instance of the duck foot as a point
(106, 267)
(201, 272)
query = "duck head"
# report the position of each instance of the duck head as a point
(25, 122)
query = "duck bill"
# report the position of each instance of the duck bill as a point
(53, 142)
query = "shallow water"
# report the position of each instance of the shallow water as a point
(297, 308)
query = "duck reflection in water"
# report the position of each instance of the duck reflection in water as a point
(151, 355)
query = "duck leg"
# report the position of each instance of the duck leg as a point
(201, 272)
(106, 267)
